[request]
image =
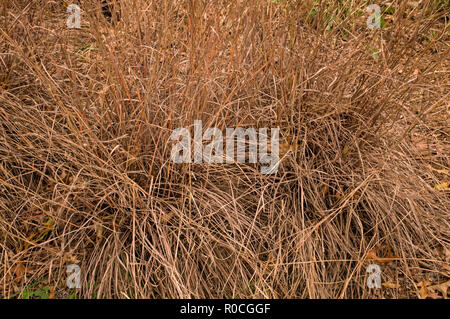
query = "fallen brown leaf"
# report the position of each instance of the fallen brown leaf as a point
(424, 293)
(51, 294)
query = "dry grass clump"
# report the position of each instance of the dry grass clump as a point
(85, 169)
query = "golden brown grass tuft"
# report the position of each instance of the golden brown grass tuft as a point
(85, 169)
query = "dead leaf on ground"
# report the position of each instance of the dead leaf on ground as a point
(20, 271)
(442, 288)
(373, 254)
(427, 290)
(390, 285)
(423, 292)
(441, 187)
